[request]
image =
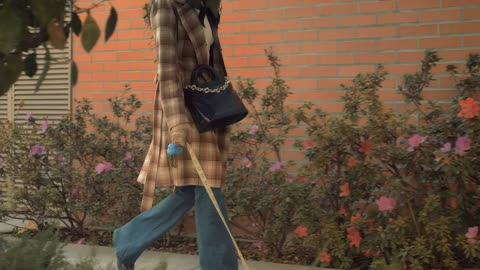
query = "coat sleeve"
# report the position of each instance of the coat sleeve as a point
(164, 25)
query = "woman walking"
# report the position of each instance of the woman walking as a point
(183, 33)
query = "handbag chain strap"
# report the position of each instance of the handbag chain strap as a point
(207, 89)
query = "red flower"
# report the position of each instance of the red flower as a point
(352, 162)
(355, 218)
(325, 257)
(301, 231)
(309, 144)
(354, 237)
(365, 146)
(343, 211)
(469, 108)
(344, 190)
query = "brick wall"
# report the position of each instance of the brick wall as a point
(321, 44)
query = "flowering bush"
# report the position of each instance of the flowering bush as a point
(82, 169)
(258, 186)
(390, 189)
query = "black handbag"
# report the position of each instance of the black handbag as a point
(213, 104)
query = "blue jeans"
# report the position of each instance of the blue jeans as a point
(215, 247)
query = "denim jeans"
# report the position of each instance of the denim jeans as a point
(215, 247)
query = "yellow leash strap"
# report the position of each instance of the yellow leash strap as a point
(201, 173)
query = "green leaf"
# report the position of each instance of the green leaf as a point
(10, 71)
(45, 69)
(111, 24)
(76, 24)
(31, 66)
(74, 73)
(13, 29)
(46, 10)
(90, 33)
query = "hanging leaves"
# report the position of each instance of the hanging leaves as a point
(74, 73)
(56, 35)
(45, 69)
(31, 66)
(10, 70)
(13, 27)
(111, 24)
(76, 24)
(90, 33)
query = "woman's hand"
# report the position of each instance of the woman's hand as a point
(180, 134)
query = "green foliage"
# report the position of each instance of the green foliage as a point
(81, 170)
(47, 24)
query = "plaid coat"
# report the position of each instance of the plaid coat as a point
(181, 46)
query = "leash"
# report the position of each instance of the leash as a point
(201, 173)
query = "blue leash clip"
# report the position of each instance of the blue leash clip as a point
(172, 151)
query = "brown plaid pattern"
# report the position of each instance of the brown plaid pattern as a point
(181, 46)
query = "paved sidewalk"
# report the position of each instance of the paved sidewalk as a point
(105, 257)
(151, 259)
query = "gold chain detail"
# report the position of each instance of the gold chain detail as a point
(208, 90)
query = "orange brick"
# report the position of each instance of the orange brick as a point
(319, 71)
(471, 13)
(299, 60)
(315, 95)
(347, 33)
(396, 18)
(122, 56)
(301, 12)
(441, 15)
(258, 61)
(400, 69)
(357, 20)
(237, 62)
(443, 42)
(471, 41)
(357, 45)
(104, 76)
(410, 56)
(302, 84)
(235, 39)
(397, 44)
(249, 4)
(370, 32)
(371, 7)
(117, 66)
(234, 17)
(335, 59)
(376, 58)
(145, 65)
(319, 47)
(131, 76)
(266, 38)
(90, 67)
(417, 30)
(247, 50)
(249, 27)
(266, 14)
(338, 9)
(104, 56)
(329, 83)
(284, 25)
(352, 71)
(286, 48)
(302, 35)
(455, 55)
(140, 44)
(457, 28)
(423, 4)
(460, 3)
(319, 23)
(134, 34)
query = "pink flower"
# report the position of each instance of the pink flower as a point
(128, 156)
(291, 178)
(352, 162)
(415, 142)
(325, 257)
(258, 244)
(386, 204)
(365, 147)
(103, 166)
(1, 162)
(276, 166)
(446, 148)
(301, 231)
(344, 190)
(44, 127)
(354, 236)
(472, 235)
(75, 194)
(253, 130)
(81, 241)
(247, 162)
(309, 144)
(469, 108)
(462, 145)
(29, 117)
(38, 150)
